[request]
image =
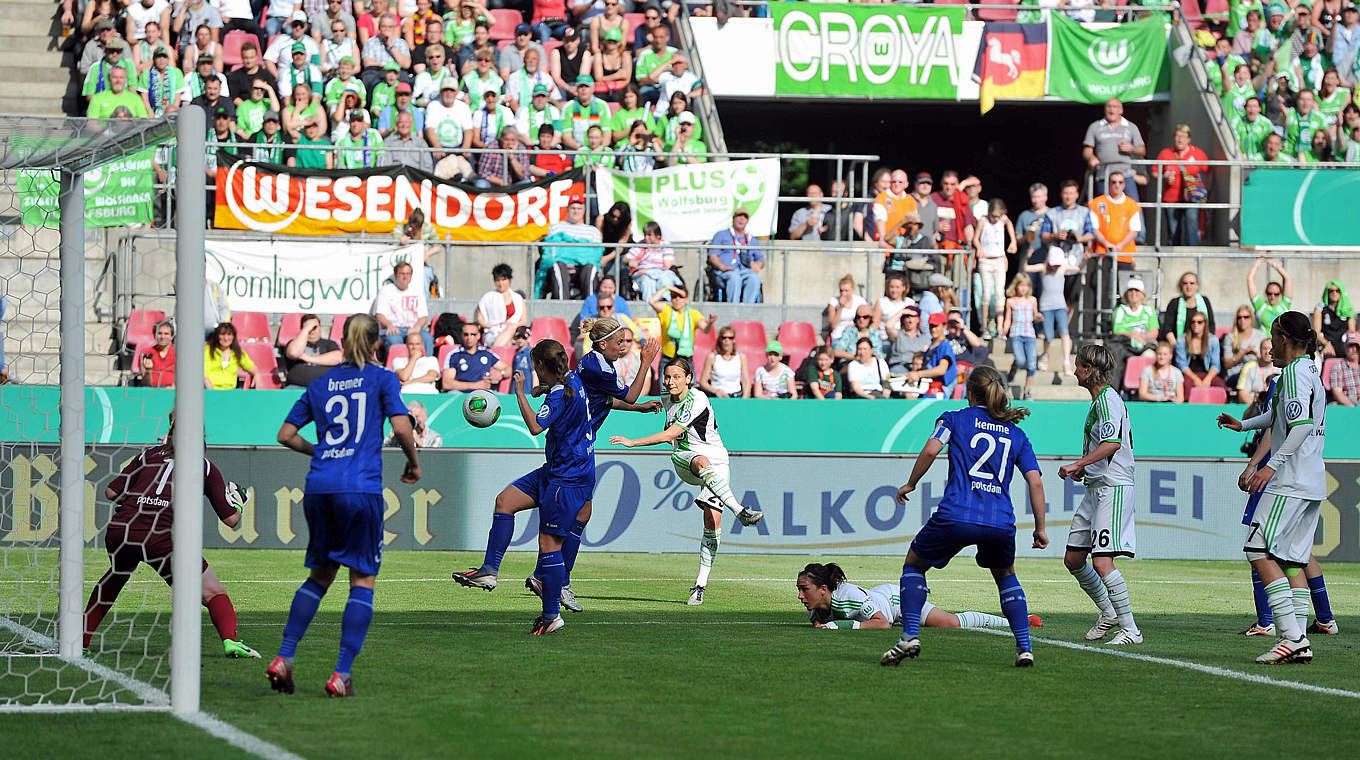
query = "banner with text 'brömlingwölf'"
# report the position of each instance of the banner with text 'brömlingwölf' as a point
(289, 201)
(876, 51)
(304, 276)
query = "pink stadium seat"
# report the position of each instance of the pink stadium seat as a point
(252, 327)
(614, 108)
(503, 44)
(289, 327)
(231, 47)
(798, 339)
(551, 45)
(141, 326)
(635, 22)
(265, 360)
(700, 356)
(338, 327)
(708, 339)
(550, 327)
(1327, 365)
(1192, 16)
(1216, 9)
(1210, 395)
(504, 21)
(394, 351)
(1134, 370)
(1219, 332)
(507, 355)
(1006, 15)
(751, 335)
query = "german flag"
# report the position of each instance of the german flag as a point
(1012, 62)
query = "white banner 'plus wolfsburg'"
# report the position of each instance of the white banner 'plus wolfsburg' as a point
(691, 202)
(323, 278)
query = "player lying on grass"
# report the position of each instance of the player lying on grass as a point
(699, 458)
(140, 528)
(985, 446)
(834, 603)
(1317, 585)
(559, 489)
(605, 391)
(342, 499)
(1280, 540)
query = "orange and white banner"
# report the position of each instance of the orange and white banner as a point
(288, 201)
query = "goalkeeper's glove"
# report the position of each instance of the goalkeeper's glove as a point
(235, 497)
(842, 625)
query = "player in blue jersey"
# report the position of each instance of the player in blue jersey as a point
(605, 391)
(1325, 622)
(984, 447)
(343, 497)
(559, 489)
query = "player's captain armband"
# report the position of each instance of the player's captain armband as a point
(941, 431)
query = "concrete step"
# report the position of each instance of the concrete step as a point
(31, 43)
(25, 16)
(21, 62)
(54, 74)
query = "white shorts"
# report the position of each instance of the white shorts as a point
(682, 461)
(1282, 528)
(1103, 524)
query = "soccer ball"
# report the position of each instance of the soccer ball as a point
(748, 186)
(481, 408)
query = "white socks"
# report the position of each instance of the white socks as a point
(1281, 600)
(981, 620)
(708, 549)
(1119, 599)
(716, 483)
(1094, 588)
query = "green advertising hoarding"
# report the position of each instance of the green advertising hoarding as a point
(1300, 207)
(871, 51)
(116, 194)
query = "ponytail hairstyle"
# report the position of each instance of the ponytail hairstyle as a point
(550, 359)
(599, 328)
(1295, 327)
(1098, 358)
(360, 341)
(830, 575)
(987, 389)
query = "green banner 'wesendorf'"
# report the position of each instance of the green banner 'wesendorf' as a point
(116, 194)
(872, 51)
(1288, 207)
(1127, 61)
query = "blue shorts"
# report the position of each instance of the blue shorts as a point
(557, 505)
(940, 539)
(344, 529)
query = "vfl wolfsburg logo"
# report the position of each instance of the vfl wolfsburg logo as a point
(1110, 58)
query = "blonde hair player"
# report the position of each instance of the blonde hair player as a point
(1102, 526)
(699, 459)
(1294, 480)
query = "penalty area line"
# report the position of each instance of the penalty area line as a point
(1186, 665)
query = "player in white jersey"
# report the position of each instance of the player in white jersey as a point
(1294, 482)
(699, 458)
(834, 603)
(1102, 526)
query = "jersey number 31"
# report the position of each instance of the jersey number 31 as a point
(338, 407)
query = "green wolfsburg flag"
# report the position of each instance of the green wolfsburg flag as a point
(1127, 61)
(869, 51)
(116, 194)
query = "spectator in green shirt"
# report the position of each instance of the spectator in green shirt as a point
(686, 142)
(312, 134)
(599, 153)
(652, 61)
(582, 113)
(97, 80)
(250, 114)
(103, 104)
(1279, 296)
(365, 143)
(162, 85)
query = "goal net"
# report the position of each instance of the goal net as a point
(77, 313)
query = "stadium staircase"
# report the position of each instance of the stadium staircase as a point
(33, 79)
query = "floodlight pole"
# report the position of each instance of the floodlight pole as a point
(71, 517)
(187, 534)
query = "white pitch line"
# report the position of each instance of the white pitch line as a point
(156, 699)
(1195, 666)
(689, 579)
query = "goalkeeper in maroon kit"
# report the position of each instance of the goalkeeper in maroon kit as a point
(139, 531)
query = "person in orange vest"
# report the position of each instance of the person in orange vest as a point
(891, 208)
(1119, 219)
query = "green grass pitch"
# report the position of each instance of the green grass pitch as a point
(452, 672)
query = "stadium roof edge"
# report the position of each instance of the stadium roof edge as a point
(76, 144)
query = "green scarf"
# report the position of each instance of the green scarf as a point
(681, 333)
(1343, 306)
(1180, 312)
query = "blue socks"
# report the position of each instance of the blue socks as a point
(1258, 593)
(354, 627)
(913, 595)
(570, 546)
(497, 541)
(553, 571)
(305, 602)
(1321, 606)
(1015, 609)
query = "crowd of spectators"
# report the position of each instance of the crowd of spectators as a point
(420, 83)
